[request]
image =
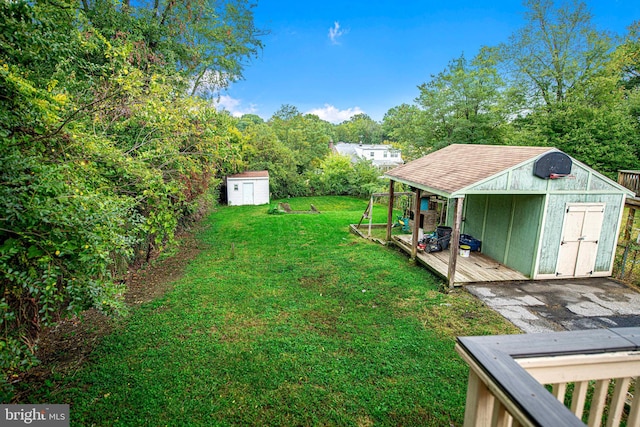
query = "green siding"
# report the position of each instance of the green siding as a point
(523, 180)
(496, 232)
(474, 209)
(552, 232)
(507, 225)
(527, 212)
(598, 183)
(497, 183)
(451, 213)
(577, 181)
(609, 234)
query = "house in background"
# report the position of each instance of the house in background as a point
(248, 188)
(382, 156)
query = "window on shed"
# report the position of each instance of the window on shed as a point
(372, 154)
(235, 187)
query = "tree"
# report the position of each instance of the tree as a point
(406, 126)
(264, 151)
(208, 41)
(605, 138)
(338, 175)
(360, 128)
(626, 58)
(625, 65)
(247, 120)
(306, 135)
(103, 156)
(285, 113)
(555, 53)
(572, 84)
(464, 103)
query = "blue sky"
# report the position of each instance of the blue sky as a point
(339, 58)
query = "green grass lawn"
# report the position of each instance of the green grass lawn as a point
(286, 320)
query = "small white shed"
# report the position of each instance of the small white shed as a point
(248, 188)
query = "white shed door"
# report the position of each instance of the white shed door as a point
(580, 235)
(247, 193)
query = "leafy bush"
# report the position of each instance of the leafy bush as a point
(103, 157)
(337, 175)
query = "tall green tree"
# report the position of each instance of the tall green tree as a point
(625, 65)
(464, 103)
(209, 41)
(306, 135)
(406, 126)
(626, 58)
(556, 52)
(360, 128)
(264, 151)
(604, 137)
(247, 120)
(572, 84)
(338, 175)
(285, 113)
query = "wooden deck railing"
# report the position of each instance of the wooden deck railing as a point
(630, 180)
(526, 380)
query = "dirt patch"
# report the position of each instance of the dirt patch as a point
(156, 278)
(64, 347)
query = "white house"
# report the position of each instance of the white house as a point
(248, 188)
(381, 155)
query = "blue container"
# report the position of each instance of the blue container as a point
(468, 240)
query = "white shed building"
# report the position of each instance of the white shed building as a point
(248, 188)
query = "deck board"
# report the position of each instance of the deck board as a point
(476, 268)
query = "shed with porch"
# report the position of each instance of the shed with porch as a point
(248, 188)
(536, 210)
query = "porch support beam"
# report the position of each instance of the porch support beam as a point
(454, 243)
(390, 210)
(631, 216)
(416, 224)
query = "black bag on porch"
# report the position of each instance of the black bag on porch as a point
(444, 236)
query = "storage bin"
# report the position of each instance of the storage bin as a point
(468, 240)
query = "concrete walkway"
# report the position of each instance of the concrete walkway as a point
(561, 305)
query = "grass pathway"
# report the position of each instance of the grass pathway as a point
(286, 320)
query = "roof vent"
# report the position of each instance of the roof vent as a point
(552, 165)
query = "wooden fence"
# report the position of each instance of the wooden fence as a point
(627, 263)
(630, 179)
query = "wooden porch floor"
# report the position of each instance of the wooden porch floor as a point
(476, 268)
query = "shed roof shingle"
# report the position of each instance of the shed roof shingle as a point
(459, 165)
(251, 174)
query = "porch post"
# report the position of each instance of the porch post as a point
(629, 225)
(370, 215)
(390, 211)
(416, 224)
(455, 242)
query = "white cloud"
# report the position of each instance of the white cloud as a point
(234, 106)
(336, 32)
(333, 115)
